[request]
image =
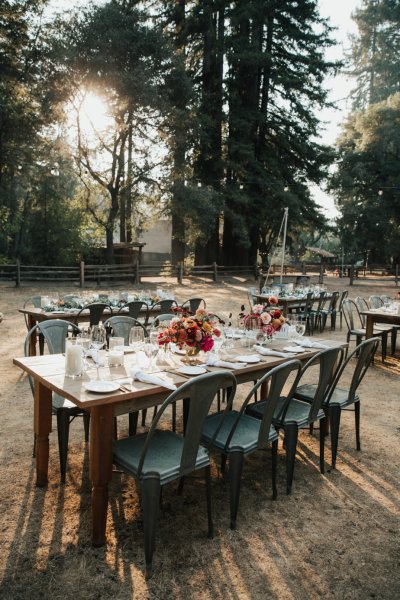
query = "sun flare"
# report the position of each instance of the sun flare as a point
(93, 113)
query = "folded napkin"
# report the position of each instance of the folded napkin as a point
(306, 343)
(268, 352)
(213, 361)
(150, 378)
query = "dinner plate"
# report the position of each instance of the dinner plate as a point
(192, 370)
(101, 387)
(250, 358)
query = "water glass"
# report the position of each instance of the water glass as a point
(136, 338)
(74, 366)
(116, 351)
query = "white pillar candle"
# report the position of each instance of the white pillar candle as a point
(73, 359)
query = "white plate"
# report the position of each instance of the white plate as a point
(192, 370)
(248, 359)
(101, 387)
(58, 312)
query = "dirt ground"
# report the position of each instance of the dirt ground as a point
(335, 537)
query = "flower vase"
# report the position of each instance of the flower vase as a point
(191, 353)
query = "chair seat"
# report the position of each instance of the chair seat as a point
(163, 456)
(297, 413)
(340, 397)
(306, 392)
(245, 438)
(60, 402)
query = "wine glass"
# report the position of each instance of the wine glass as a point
(136, 338)
(300, 326)
(150, 348)
(84, 340)
(97, 341)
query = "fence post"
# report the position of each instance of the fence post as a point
(321, 274)
(351, 273)
(180, 272)
(18, 274)
(256, 272)
(137, 277)
(396, 276)
(82, 274)
(303, 268)
(215, 269)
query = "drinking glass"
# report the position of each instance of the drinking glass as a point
(136, 338)
(97, 341)
(150, 349)
(84, 340)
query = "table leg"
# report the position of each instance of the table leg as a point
(369, 329)
(101, 440)
(33, 339)
(42, 423)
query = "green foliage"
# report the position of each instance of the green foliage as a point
(367, 183)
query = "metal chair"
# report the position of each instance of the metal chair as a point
(166, 306)
(362, 305)
(339, 309)
(160, 318)
(349, 308)
(376, 301)
(193, 304)
(162, 456)
(292, 413)
(96, 312)
(238, 434)
(329, 311)
(339, 398)
(55, 332)
(135, 307)
(121, 326)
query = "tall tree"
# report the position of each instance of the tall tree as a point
(375, 52)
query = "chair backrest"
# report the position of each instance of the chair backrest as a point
(157, 320)
(36, 301)
(96, 311)
(200, 393)
(333, 302)
(362, 305)
(135, 307)
(166, 305)
(364, 354)
(319, 301)
(385, 298)
(121, 326)
(329, 361)
(375, 301)
(309, 301)
(349, 307)
(193, 304)
(276, 379)
(343, 297)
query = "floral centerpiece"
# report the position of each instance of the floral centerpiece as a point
(267, 317)
(195, 332)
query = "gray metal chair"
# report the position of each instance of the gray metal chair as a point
(339, 398)
(329, 310)
(292, 413)
(339, 309)
(242, 434)
(135, 307)
(159, 319)
(193, 304)
(166, 306)
(162, 456)
(121, 326)
(349, 309)
(96, 312)
(55, 332)
(376, 301)
(363, 305)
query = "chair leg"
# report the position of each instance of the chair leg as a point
(63, 435)
(151, 504)
(274, 456)
(133, 421)
(322, 427)
(384, 346)
(357, 420)
(393, 334)
(34, 446)
(235, 475)
(291, 433)
(174, 416)
(86, 425)
(223, 463)
(209, 504)
(334, 416)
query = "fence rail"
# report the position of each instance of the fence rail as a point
(134, 273)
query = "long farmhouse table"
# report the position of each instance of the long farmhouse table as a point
(378, 316)
(48, 373)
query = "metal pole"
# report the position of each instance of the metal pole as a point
(285, 218)
(342, 269)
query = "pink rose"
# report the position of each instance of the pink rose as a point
(208, 344)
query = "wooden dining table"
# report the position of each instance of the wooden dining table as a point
(378, 316)
(48, 374)
(37, 315)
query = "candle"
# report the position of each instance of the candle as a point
(73, 359)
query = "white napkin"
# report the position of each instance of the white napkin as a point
(150, 378)
(306, 343)
(268, 352)
(94, 354)
(214, 361)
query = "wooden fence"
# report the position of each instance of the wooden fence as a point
(133, 273)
